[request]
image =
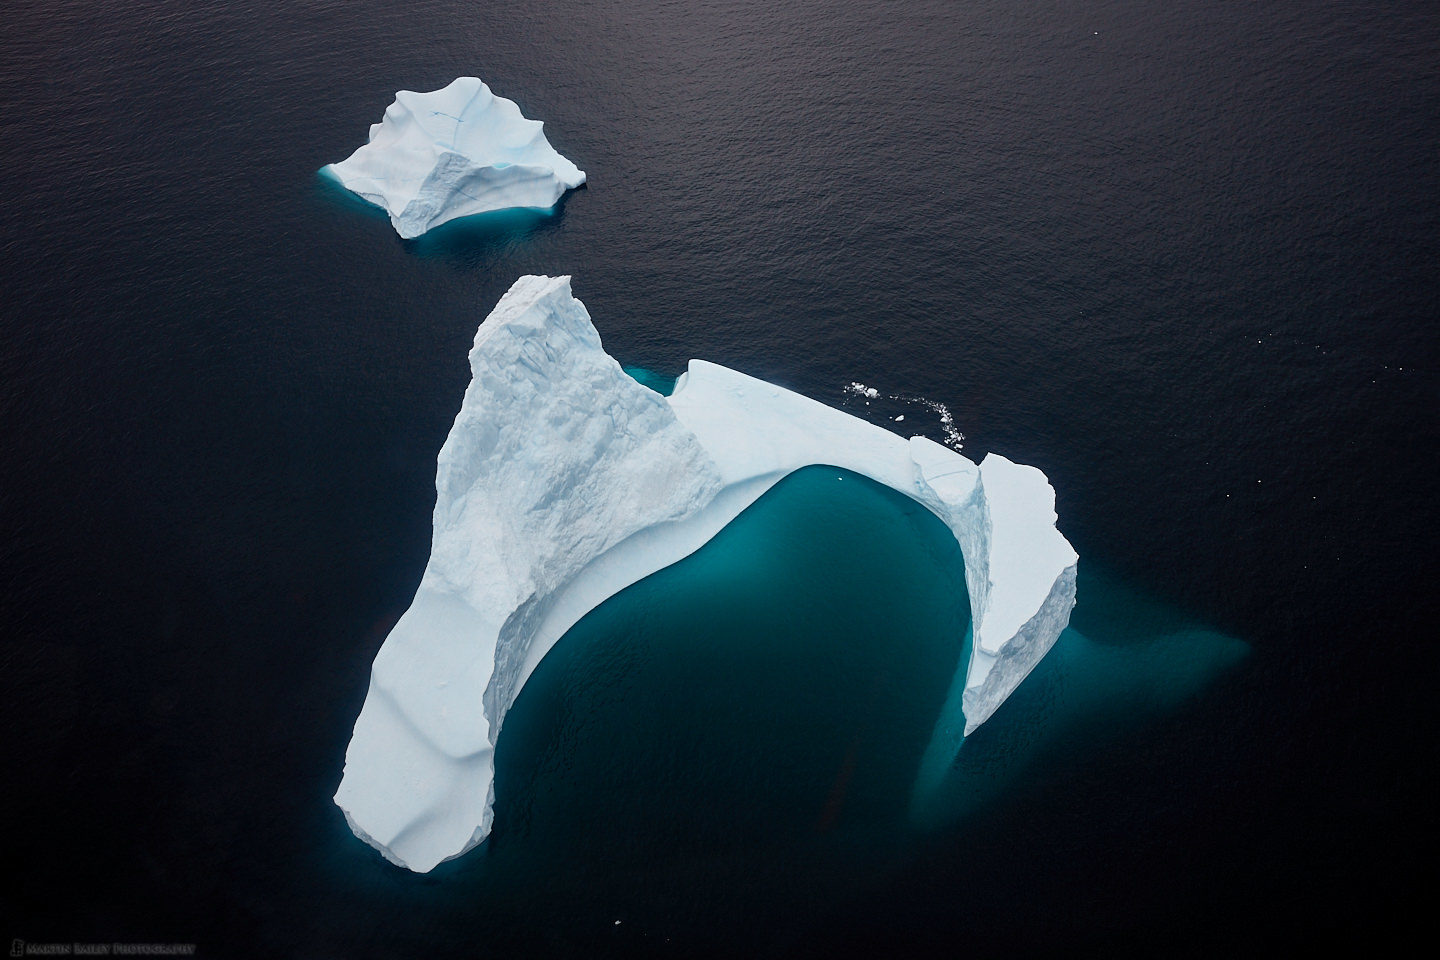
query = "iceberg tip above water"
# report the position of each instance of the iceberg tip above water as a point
(454, 152)
(564, 480)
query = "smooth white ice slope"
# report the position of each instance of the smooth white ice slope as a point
(563, 481)
(454, 152)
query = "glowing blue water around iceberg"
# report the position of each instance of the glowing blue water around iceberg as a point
(785, 683)
(776, 684)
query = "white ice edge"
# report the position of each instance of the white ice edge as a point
(451, 153)
(563, 481)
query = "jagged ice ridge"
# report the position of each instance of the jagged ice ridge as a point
(451, 153)
(563, 481)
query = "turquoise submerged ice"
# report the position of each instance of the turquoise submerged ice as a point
(451, 153)
(563, 481)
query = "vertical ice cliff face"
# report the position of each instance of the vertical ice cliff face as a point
(453, 152)
(1031, 572)
(555, 457)
(563, 481)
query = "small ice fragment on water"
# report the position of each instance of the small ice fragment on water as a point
(899, 418)
(860, 390)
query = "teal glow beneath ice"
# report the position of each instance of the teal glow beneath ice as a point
(1125, 660)
(494, 228)
(658, 382)
(778, 683)
(792, 681)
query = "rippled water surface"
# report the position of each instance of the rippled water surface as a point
(1182, 257)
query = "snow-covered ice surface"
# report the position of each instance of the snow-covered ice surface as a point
(563, 481)
(451, 153)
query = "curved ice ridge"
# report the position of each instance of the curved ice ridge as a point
(454, 152)
(563, 481)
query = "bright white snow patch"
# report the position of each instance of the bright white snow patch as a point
(451, 153)
(563, 481)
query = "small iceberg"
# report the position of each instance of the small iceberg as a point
(452, 153)
(564, 480)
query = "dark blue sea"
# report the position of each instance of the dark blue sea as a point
(1184, 257)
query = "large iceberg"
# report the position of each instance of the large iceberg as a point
(451, 153)
(563, 481)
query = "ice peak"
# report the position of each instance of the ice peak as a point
(454, 152)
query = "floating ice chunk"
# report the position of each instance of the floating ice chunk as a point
(564, 480)
(451, 153)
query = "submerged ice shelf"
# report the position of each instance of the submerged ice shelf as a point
(563, 481)
(451, 153)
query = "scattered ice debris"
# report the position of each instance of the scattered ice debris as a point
(953, 437)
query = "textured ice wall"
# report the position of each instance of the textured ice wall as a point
(555, 457)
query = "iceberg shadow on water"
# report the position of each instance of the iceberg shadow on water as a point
(1125, 661)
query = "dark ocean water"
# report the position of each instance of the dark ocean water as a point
(1183, 257)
